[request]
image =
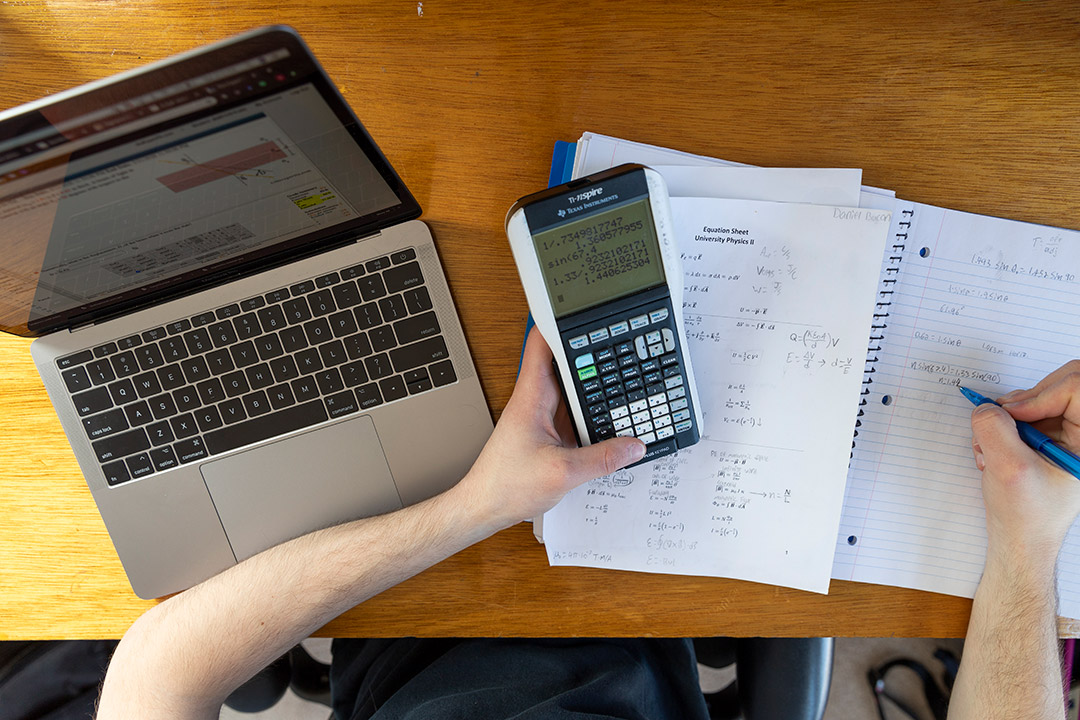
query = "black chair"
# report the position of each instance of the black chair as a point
(776, 679)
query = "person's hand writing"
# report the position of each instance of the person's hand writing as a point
(1030, 502)
(532, 460)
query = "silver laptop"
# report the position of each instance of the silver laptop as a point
(245, 332)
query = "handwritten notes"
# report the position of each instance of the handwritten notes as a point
(778, 300)
(978, 301)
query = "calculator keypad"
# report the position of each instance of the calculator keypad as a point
(630, 381)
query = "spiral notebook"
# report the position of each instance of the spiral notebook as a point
(990, 303)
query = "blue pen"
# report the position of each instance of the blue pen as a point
(1036, 440)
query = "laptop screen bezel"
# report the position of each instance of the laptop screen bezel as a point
(193, 64)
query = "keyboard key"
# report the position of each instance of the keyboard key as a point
(259, 376)
(107, 423)
(393, 308)
(232, 411)
(252, 304)
(353, 374)
(183, 426)
(76, 379)
(129, 342)
(417, 300)
(293, 339)
(371, 287)
(308, 361)
(163, 406)
(393, 388)
(277, 296)
(179, 326)
(124, 364)
(149, 357)
(318, 331)
(419, 386)
(195, 369)
(403, 277)
(152, 335)
(377, 264)
(284, 369)
(228, 311)
(115, 473)
(140, 465)
(442, 373)
(244, 354)
(210, 391)
(426, 325)
(267, 426)
(203, 319)
(321, 303)
(247, 326)
(382, 338)
(235, 384)
(190, 450)
(346, 294)
(332, 353)
(280, 396)
(329, 381)
(324, 281)
(92, 401)
(378, 366)
(163, 458)
(269, 347)
(186, 399)
(368, 396)
(76, 359)
(107, 349)
(160, 433)
(342, 323)
(402, 256)
(417, 354)
(367, 316)
(256, 404)
(220, 361)
(357, 346)
(305, 389)
(171, 377)
(208, 418)
(272, 318)
(352, 272)
(173, 349)
(100, 372)
(223, 334)
(302, 288)
(115, 447)
(122, 392)
(146, 385)
(296, 311)
(415, 376)
(340, 404)
(138, 413)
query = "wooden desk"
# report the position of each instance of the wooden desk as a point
(971, 105)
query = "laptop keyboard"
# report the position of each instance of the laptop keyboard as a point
(319, 350)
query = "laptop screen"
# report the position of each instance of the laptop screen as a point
(223, 161)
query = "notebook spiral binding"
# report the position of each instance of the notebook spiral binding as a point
(881, 312)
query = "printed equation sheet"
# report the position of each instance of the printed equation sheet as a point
(778, 304)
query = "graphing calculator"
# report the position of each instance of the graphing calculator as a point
(603, 278)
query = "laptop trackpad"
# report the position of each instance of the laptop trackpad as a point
(282, 490)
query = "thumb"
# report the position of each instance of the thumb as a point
(603, 458)
(994, 435)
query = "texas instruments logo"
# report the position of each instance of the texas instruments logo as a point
(562, 213)
(582, 197)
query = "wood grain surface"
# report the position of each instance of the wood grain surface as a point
(972, 105)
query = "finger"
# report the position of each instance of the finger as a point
(1073, 366)
(1060, 398)
(537, 380)
(603, 458)
(995, 437)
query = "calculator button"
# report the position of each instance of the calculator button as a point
(586, 373)
(591, 385)
(598, 335)
(622, 423)
(669, 339)
(653, 337)
(661, 422)
(638, 405)
(579, 342)
(639, 346)
(671, 371)
(668, 360)
(597, 408)
(605, 354)
(673, 382)
(619, 412)
(583, 360)
(640, 417)
(617, 401)
(634, 384)
(663, 433)
(659, 410)
(657, 400)
(631, 372)
(639, 322)
(611, 379)
(625, 432)
(680, 415)
(624, 348)
(603, 432)
(649, 366)
(676, 393)
(656, 350)
(608, 367)
(647, 438)
(635, 395)
(655, 389)
(678, 404)
(658, 315)
(626, 360)
(594, 397)
(683, 426)
(619, 328)
(614, 391)
(642, 428)
(653, 377)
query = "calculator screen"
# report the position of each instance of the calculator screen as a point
(600, 257)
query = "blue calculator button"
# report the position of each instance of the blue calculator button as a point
(583, 361)
(639, 322)
(598, 335)
(658, 315)
(579, 342)
(619, 328)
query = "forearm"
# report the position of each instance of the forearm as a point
(184, 657)
(1011, 666)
